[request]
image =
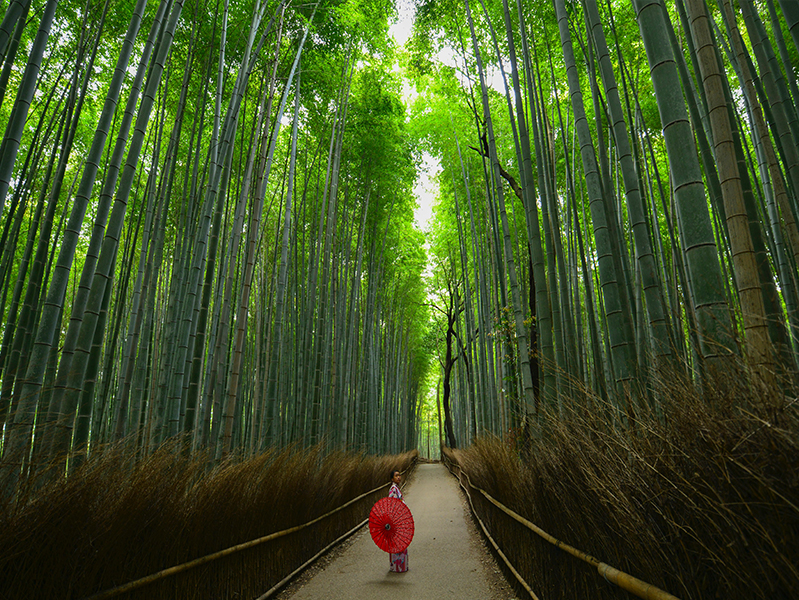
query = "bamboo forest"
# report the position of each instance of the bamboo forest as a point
(551, 243)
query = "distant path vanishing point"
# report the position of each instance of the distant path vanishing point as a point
(447, 557)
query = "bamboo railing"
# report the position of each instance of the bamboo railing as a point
(627, 582)
(222, 568)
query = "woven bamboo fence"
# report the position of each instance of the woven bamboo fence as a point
(523, 545)
(256, 569)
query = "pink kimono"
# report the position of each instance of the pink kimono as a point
(398, 561)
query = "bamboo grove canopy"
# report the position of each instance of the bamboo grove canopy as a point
(207, 229)
(206, 211)
(617, 215)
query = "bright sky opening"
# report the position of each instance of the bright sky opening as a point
(426, 186)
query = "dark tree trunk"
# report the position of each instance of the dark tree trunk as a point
(449, 363)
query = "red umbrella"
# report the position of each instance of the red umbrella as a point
(391, 525)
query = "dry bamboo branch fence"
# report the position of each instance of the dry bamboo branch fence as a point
(621, 579)
(215, 582)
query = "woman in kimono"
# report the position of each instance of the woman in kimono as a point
(398, 561)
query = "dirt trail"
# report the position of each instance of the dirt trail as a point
(447, 557)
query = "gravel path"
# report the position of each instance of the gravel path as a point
(447, 558)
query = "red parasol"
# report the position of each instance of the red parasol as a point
(391, 525)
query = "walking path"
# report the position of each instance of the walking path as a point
(447, 558)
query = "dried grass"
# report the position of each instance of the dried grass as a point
(111, 523)
(701, 499)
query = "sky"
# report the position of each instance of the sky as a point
(426, 186)
(401, 30)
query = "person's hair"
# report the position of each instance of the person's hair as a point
(390, 477)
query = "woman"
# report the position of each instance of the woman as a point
(398, 561)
